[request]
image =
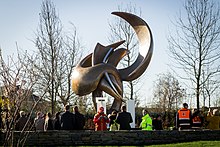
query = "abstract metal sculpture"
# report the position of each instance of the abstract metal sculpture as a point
(97, 72)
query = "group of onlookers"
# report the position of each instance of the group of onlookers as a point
(185, 119)
(72, 121)
(45, 122)
(122, 120)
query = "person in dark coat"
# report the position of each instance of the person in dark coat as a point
(68, 121)
(80, 119)
(157, 123)
(22, 121)
(57, 122)
(124, 119)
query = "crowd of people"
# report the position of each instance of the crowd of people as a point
(76, 121)
(123, 119)
(45, 122)
(185, 119)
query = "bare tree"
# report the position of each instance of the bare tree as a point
(68, 57)
(195, 46)
(17, 81)
(56, 56)
(210, 89)
(168, 95)
(121, 30)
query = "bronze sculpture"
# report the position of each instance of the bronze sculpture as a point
(97, 72)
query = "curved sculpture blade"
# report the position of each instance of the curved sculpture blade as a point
(86, 80)
(116, 56)
(145, 42)
(100, 51)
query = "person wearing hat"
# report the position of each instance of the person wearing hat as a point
(184, 118)
(100, 120)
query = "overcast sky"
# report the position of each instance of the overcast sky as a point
(19, 20)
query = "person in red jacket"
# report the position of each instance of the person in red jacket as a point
(100, 120)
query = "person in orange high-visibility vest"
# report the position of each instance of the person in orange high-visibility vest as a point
(184, 118)
(196, 120)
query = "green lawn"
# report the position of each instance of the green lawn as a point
(187, 144)
(192, 144)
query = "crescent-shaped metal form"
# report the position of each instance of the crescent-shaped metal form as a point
(145, 47)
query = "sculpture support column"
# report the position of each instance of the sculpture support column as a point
(95, 94)
(131, 109)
